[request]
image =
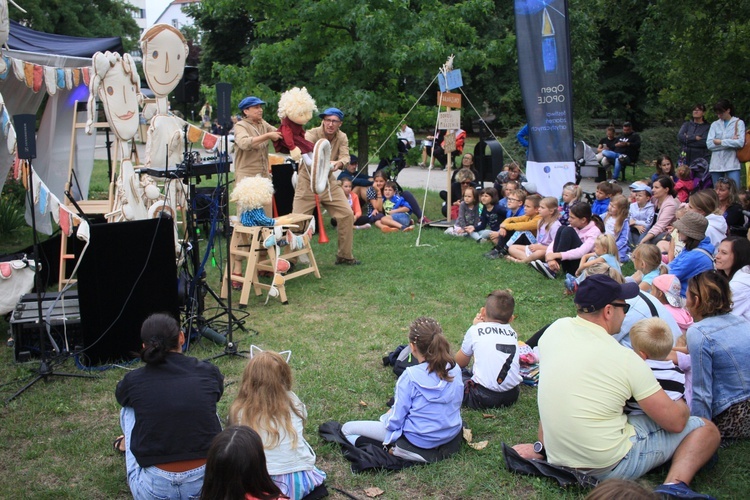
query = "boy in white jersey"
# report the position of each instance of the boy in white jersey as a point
(495, 378)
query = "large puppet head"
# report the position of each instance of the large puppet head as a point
(115, 80)
(297, 105)
(164, 53)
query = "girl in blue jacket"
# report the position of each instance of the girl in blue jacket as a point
(424, 424)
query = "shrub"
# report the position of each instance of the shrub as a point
(11, 215)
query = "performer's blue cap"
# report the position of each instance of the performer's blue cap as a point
(332, 111)
(250, 101)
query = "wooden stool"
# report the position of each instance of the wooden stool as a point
(251, 246)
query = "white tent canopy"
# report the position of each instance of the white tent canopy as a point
(53, 136)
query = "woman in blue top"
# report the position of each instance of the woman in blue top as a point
(424, 424)
(719, 349)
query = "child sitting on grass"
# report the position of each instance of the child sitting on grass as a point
(571, 195)
(545, 234)
(360, 221)
(616, 224)
(397, 211)
(648, 265)
(522, 228)
(684, 184)
(602, 195)
(468, 214)
(490, 216)
(265, 403)
(495, 378)
(652, 340)
(605, 252)
(641, 212)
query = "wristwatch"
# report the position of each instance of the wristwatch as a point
(539, 448)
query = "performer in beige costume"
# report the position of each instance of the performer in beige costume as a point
(333, 199)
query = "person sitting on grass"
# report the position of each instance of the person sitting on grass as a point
(571, 195)
(491, 216)
(236, 467)
(602, 197)
(652, 340)
(586, 377)
(545, 234)
(495, 378)
(468, 214)
(521, 229)
(396, 211)
(640, 213)
(424, 425)
(360, 221)
(168, 415)
(266, 403)
(571, 243)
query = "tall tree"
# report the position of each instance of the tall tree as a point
(85, 18)
(692, 52)
(374, 59)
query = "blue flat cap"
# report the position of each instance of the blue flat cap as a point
(332, 111)
(250, 101)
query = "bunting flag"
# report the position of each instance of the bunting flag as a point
(37, 76)
(44, 200)
(543, 46)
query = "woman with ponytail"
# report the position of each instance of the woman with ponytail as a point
(168, 414)
(424, 424)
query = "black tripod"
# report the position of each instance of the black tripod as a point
(26, 125)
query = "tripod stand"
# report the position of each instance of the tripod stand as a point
(26, 124)
(231, 348)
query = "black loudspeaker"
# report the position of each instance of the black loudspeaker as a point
(224, 104)
(127, 273)
(25, 126)
(188, 90)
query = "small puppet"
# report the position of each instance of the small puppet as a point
(296, 108)
(250, 195)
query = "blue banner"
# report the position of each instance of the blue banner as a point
(543, 43)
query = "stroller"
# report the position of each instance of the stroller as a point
(701, 176)
(586, 163)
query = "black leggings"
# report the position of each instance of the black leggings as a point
(567, 239)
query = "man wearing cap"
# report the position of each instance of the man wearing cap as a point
(641, 213)
(251, 136)
(584, 381)
(333, 199)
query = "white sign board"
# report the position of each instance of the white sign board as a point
(449, 120)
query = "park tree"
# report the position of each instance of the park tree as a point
(692, 52)
(374, 59)
(84, 18)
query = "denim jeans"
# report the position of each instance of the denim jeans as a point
(731, 174)
(152, 482)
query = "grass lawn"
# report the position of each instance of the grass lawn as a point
(55, 440)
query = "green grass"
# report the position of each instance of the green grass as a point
(55, 439)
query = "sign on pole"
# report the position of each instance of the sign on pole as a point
(449, 120)
(449, 99)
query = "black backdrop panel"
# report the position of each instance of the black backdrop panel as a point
(135, 256)
(283, 189)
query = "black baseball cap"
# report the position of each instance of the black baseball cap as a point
(598, 290)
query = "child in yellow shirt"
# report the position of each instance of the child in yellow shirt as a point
(519, 230)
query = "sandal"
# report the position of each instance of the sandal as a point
(119, 441)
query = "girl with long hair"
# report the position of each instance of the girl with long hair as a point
(424, 424)
(265, 403)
